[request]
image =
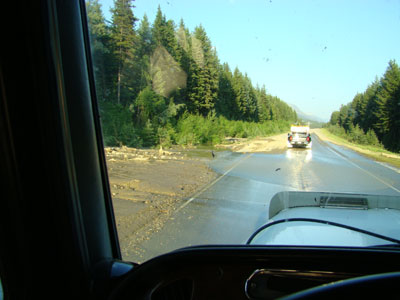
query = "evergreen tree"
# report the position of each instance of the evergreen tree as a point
(250, 100)
(145, 38)
(334, 118)
(370, 98)
(264, 105)
(183, 36)
(343, 117)
(100, 46)
(204, 79)
(182, 46)
(164, 34)
(123, 35)
(240, 94)
(388, 106)
(226, 105)
(376, 112)
(170, 41)
(358, 104)
(159, 27)
(144, 49)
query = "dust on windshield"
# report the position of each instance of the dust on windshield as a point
(198, 101)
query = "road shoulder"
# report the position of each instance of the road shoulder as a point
(383, 156)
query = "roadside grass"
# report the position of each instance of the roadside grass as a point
(374, 152)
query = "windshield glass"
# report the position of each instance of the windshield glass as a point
(300, 134)
(211, 109)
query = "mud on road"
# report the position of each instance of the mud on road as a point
(147, 186)
(276, 143)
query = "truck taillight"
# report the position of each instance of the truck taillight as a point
(308, 139)
(290, 138)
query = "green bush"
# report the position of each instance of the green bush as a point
(195, 130)
(118, 127)
(166, 136)
(148, 135)
(371, 138)
(355, 135)
(337, 130)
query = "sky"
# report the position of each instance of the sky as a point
(315, 54)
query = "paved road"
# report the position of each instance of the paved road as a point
(231, 208)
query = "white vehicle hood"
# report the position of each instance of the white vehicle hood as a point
(307, 219)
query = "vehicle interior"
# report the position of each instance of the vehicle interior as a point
(58, 232)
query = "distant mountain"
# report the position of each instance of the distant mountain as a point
(305, 116)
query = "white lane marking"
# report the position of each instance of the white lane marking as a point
(388, 166)
(213, 182)
(397, 170)
(369, 173)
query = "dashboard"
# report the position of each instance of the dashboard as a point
(239, 272)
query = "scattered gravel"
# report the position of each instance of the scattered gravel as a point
(147, 186)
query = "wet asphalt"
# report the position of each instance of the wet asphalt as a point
(231, 208)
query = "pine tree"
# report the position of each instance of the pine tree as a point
(388, 106)
(123, 35)
(240, 94)
(203, 80)
(334, 118)
(100, 44)
(144, 49)
(388, 86)
(183, 46)
(226, 105)
(182, 36)
(164, 34)
(370, 119)
(158, 27)
(264, 105)
(250, 101)
(145, 38)
(359, 105)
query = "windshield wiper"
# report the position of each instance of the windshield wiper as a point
(395, 241)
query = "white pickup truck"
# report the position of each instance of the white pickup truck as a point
(299, 136)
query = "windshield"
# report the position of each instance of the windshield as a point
(210, 109)
(300, 134)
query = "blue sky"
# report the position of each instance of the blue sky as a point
(316, 54)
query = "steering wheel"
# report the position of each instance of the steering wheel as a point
(384, 286)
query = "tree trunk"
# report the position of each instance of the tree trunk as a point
(119, 84)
